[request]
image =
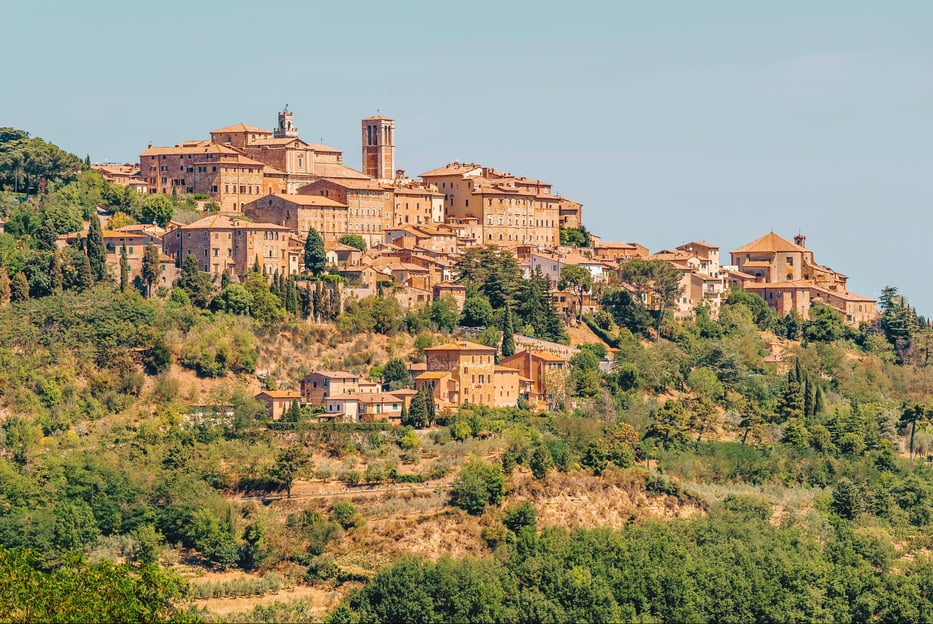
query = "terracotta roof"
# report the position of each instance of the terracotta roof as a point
(226, 222)
(333, 170)
(608, 245)
(320, 147)
(190, 147)
(433, 375)
(451, 169)
(308, 200)
(274, 141)
(756, 263)
(769, 243)
(281, 394)
(241, 127)
(378, 118)
(408, 190)
(462, 345)
(505, 369)
(403, 392)
(700, 244)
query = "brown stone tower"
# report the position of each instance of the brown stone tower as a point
(286, 128)
(379, 147)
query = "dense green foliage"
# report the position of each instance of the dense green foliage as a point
(733, 566)
(83, 592)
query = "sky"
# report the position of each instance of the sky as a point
(669, 121)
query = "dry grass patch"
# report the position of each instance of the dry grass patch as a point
(578, 499)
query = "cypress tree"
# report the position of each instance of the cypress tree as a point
(274, 286)
(85, 278)
(124, 270)
(46, 236)
(809, 398)
(305, 297)
(19, 288)
(151, 267)
(508, 333)
(315, 257)
(291, 303)
(430, 405)
(318, 302)
(55, 274)
(418, 412)
(224, 279)
(96, 253)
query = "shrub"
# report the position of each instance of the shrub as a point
(478, 485)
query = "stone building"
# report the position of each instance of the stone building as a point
(465, 372)
(788, 278)
(505, 210)
(327, 216)
(225, 243)
(369, 205)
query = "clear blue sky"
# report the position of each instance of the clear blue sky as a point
(669, 121)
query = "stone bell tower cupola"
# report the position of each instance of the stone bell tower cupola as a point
(379, 147)
(286, 127)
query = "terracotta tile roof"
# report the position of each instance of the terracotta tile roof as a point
(227, 222)
(378, 118)
(403, 392)
(308, 200)
(432, 375)
(280, 394)
(462, 345)
(320, 147)
(190, 147)
(451, 169)
(697, 244)
(409, 190)
(769, 243)
(608, 245)
(273, 141)
(241, 127)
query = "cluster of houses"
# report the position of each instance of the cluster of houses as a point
(272, 187)
(454, 374)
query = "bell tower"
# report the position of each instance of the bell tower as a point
(379, 147)
(286, 127)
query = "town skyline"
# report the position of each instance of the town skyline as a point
(727, 121)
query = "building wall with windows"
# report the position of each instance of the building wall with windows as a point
(224, 243)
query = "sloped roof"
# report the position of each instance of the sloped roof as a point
(241, 127)
(462, 345)
(222, 222)
(769, 243)
(451, 169)
(310, 200)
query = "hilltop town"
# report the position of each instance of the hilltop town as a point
(245, 382)
(266, 190)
